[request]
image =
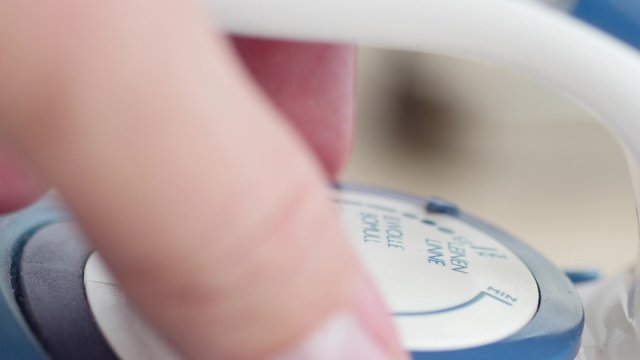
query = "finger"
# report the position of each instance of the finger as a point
(208, 208)
(19, 186)
(313, 86)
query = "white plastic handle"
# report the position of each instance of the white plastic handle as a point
(594, 69)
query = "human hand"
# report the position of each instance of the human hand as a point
(208, 206)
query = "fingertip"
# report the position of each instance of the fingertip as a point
(371, 310)
(361, 331)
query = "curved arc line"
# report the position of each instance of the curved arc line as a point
(472, 301)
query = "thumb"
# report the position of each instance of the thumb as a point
(208, 209)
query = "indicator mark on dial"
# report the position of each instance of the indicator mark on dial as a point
(382, 208)
(481, 295)
(445, 230)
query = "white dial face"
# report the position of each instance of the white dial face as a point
(449, 285)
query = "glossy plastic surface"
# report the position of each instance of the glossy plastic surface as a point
(620, 18)
(16, 338)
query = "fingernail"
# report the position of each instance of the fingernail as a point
(342, 337)
(365, 331)
(368, 307)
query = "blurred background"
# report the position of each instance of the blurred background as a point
(503, 147)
